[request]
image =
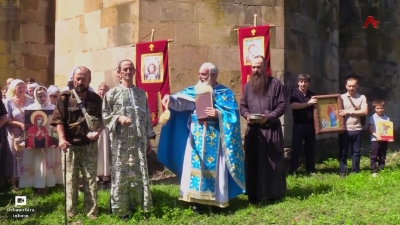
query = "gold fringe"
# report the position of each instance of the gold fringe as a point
(204, 202)
(169, 70)
(160, 110)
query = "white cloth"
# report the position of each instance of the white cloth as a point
(103, 159)
(33, 85)
(41, 167)
(52, 89)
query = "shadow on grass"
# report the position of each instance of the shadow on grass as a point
(305, 192)
(164, 203)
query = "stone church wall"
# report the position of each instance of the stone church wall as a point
(203, 31)
(312, 47)
(27, 40)
(97, 34)
(372, 54)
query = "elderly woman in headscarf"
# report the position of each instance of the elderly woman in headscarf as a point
(15, 104)
(53, 93)
(31, 87)
(103, 160)
(71, 76)
(41, 165)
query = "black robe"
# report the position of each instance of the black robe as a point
(263, 144)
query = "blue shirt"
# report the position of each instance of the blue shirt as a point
(372, 121)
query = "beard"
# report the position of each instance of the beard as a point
(81, 89)
(258, 83)
(203, 87)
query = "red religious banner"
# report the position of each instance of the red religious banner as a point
(253, 41)
(152, 74)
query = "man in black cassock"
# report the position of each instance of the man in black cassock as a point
(263, 144)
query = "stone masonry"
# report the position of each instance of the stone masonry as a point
(27, 40)
(312, 47)
(203, 31)
(97, 34)
(372, 54)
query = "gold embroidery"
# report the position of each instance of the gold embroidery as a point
(196, 158)
(197, 134)
(153, 116)
(212, 135)
(253, 32)
(210, 159)
(211, 143)
(151, 46)
(224, 98)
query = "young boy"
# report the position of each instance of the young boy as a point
(378, 147)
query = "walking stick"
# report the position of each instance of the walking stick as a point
(65, 187)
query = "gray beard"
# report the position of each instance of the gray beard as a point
(203, 87)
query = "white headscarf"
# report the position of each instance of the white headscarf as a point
(12, 86)
(52, 89)
(33, 85)
(36, 98)
(71, 76)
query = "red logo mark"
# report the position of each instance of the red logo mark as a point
(371, 20)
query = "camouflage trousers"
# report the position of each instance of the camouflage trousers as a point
(81, 159)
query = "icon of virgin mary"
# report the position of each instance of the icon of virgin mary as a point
(38, 136)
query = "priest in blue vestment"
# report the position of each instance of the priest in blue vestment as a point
(206, 155)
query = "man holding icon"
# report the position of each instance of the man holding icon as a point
(302, 102)
(262, 104)
(201, 141)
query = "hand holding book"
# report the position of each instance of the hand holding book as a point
(211, 112)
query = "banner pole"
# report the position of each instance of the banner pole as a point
(169, 40)
(255, 20)
(152, 35)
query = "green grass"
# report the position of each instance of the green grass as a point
(320, 199)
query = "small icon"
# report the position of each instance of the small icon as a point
(20, 200)
(372, 21)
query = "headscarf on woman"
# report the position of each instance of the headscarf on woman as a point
(35, 97)
(32, 85)
(52, 89)
(12, 87)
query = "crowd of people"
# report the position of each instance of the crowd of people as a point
(38, 168)
(106, 135)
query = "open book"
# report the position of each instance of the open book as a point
(203, 101)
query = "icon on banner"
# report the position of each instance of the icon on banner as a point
(20, 200)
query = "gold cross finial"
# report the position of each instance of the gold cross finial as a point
(253, 32)
(151, 46)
